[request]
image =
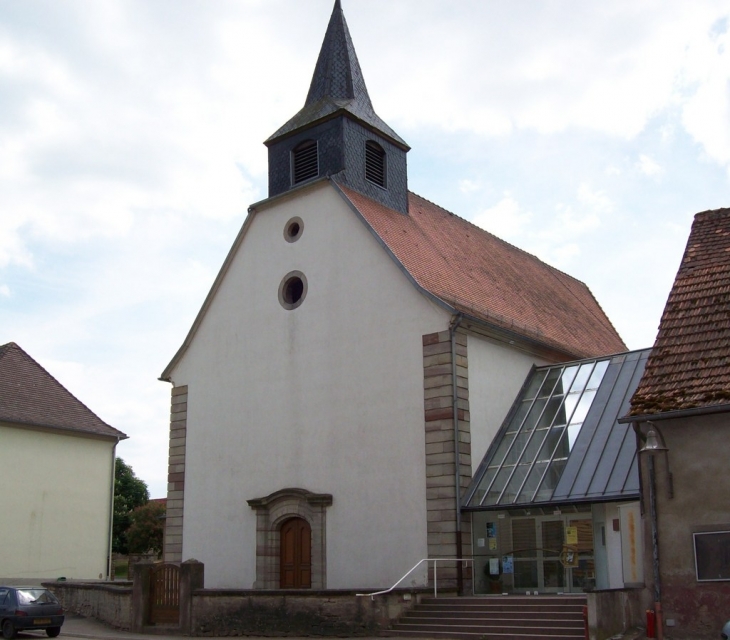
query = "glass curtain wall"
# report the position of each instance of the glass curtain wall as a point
(528, 462)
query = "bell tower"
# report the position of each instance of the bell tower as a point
(337, 133)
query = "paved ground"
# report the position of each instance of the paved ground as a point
(91, 629)
(78, 627)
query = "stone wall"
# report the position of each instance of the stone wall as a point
(614, 611)
(108, 602)
(692, 489)
(230, 612)
(295, 613)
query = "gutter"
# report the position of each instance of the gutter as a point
(679, 413)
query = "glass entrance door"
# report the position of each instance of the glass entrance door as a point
(552, 553)
(552, 535)
(582, 571)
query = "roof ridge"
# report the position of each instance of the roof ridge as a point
(709, 212)
(6, 347)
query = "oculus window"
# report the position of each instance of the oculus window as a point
(292, 290)
(293, 229)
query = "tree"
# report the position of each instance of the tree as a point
(129, 493)
(145, 532)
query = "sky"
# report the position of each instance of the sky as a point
(587, 133)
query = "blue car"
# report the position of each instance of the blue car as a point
(27, 608)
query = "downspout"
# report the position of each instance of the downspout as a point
(111, 512)
(457, 476)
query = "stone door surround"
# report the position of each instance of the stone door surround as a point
(271, 512)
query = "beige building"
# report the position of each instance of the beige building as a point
(57, 461)
(352, 362)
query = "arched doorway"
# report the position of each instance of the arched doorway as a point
(296, 554)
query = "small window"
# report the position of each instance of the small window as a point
(292, 290)
(375, 163)
(712, 556)
(293, 229)
(305, 162)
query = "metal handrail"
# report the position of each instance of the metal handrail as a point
(418, 564)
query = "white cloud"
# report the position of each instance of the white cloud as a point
(648, 167)
(469, 186)
(506, 219)
(131, 145)
(706, 108)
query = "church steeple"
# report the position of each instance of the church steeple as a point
(337, 132)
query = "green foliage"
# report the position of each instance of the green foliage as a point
(129, 493)
(145, 532)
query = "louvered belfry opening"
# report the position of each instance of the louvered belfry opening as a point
(375, 163)
(305, 162)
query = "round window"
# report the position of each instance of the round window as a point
(292, 290)
(293, 229)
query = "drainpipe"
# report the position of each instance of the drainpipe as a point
(457, 479)
(111, 512)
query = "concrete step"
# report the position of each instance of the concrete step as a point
(496, 618)
(499, 613)
(460, 635)
(493, 627)
(491, 621)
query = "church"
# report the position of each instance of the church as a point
(353, 362)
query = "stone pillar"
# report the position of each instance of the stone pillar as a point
(172, 551)
(192, 577)
(141, 595)
(441, 497)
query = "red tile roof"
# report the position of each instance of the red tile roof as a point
(477, 273)
(29, 395)
(689, 366)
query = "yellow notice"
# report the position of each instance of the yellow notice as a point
(571, 535)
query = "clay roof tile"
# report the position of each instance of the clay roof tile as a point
(690, 363)
(477, 273)
(31, 396)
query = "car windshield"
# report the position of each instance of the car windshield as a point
(35, 596)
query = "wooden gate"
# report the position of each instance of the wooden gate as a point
(165, 594)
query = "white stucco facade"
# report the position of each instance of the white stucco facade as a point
(327, 397)
(496, 374)
(55, 505)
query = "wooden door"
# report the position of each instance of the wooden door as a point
(296, 554)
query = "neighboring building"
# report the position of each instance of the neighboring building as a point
(685, 396)
(555, 502)
(358, 341)
(57, 461)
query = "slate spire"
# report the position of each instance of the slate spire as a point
(337, 133)
(338, 85)
(337, 74)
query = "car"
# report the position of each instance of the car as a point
(27, 608)
(725, 633)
